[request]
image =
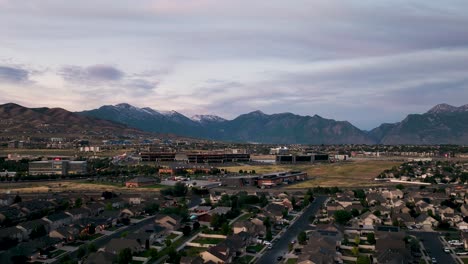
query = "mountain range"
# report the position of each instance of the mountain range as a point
(17, 120)
(443, 124)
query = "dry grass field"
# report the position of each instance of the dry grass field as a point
(60, 152)
(67, 186)
(358, 173)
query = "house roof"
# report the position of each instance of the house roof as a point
(34, 223)
(57, 216)
(191, 260)
(220, 210)
(117, 244)
(100, 257)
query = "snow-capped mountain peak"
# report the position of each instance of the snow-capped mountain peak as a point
(207, 118)
(446, 108)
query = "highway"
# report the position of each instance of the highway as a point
(280, 247)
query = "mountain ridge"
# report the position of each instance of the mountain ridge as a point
(442, 124)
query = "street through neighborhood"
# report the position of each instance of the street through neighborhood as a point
(280, 247)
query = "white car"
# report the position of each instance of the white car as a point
(433, 260)
(446, 250)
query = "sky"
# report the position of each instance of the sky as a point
(368, 62)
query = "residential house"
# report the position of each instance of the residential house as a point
(6, 200)
(404, 218)
(115, 203)
(464, 209)
(65, 233)
(393, 194)
(249, 227)
(368, 220)
(390, 248)
(220, 210)
(143, 238)
(78, 213)
(14, 233)
(275, 211)
(375, 199)
(11, 215)
(426, 221)
(117, 244)
(170, 222)
(58, 219)
(462, 226)
(95, 208)
(219, 254)
(191, 260)
(35, 208)
(100, 257)
(111, 216)
(319, 249)
(32, 226)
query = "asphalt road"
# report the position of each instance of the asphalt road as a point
(434, 247)
(280, 247)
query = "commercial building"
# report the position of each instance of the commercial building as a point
(57, 167)
(294, 159)
(181, 168)
(194, 157)
(265, 180)
(140, 181)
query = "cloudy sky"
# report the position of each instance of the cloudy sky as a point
(363, 61)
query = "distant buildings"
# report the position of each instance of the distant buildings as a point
(57, 167)
(265, 180)
(293, 159)
(140, 181)
(194, 157)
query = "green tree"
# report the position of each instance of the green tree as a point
(17, 199)
(226, 229)
(78, 202)
(342, 216)
(38, 231)
(400, 186)
(180, 189)
(371, 238)
(92, 247)
(357, 240)
(153, 253)
(186, 230)
(363, 260)
(302, 238)
(124, 256)
(268, 235)
(355, 251)
(81, 252)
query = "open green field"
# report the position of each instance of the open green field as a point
(357, 173)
